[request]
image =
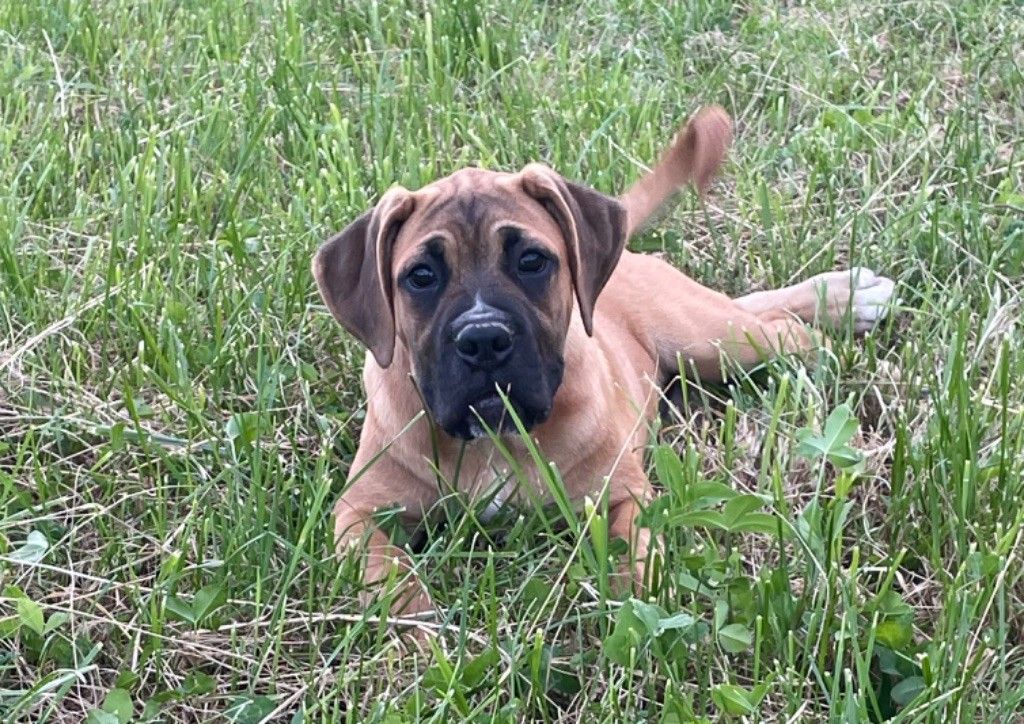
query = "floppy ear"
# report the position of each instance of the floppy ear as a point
(353, 272)
(594, 227)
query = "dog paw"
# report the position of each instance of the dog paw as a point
(857, 292)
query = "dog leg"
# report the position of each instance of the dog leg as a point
(858, 293)
(703, 328)
(643, 548)
(384, 484)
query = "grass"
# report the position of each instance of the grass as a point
(177, 409)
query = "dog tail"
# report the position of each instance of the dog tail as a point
(694, 157)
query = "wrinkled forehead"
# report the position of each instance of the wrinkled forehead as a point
(466, 213)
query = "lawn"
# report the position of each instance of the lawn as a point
(178, 410)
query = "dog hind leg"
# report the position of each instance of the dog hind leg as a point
(704, 329)
(858, 292)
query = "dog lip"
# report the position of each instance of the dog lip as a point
(488, 406)
(488, 413)
(488, 399)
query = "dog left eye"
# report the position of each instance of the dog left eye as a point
(532, 262)
(422, 277)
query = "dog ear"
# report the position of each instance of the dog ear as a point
(594, 227)
(353, 272)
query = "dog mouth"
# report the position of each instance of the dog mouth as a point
(489, 413)
(489, 404)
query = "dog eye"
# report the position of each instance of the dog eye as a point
(532, 262)
(421, 277)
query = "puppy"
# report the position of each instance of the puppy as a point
(487, 285)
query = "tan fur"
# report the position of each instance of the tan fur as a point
(693, 157)
(648, 316)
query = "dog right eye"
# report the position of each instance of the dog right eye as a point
(421, 277)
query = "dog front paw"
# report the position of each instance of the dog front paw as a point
(406, 596)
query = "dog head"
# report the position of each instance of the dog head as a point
(476, 276)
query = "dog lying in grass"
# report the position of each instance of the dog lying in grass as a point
(505, 302)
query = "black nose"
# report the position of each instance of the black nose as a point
(485, 345)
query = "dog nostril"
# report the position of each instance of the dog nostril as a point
(466, 346)
(501, 343)
(484, 345)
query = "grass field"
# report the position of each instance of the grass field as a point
(178, 410)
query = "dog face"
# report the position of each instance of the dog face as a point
(475, 278)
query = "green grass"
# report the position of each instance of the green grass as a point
(178, 411)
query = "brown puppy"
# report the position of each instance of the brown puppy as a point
(486, 281)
